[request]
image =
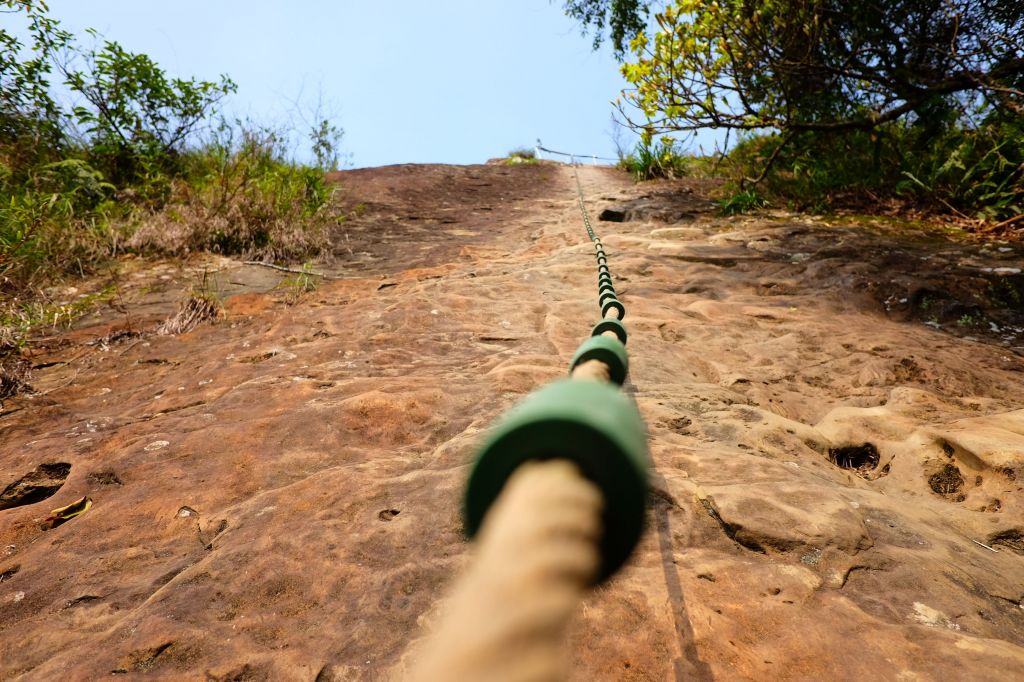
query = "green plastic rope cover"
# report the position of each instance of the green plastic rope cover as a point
(589, 423)
(611, 352)
(611, 325)
(613, 303)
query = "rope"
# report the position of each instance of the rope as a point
(617, 308)
(576, 156)
(542, 542)
(536, 555)
(583, 206)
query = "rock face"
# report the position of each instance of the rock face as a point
(837, 494)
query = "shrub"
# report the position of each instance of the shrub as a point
(137, 120)
(977, 172)
(521, 155)
(142, 155)
(239, 195)
(743, 201)
(660, 159)
(142, 170)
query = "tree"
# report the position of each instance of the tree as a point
(134, 112)
(29, 118)
(623, 18)
(133, 115)
(828, 65)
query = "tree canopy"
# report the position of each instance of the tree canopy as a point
(623, 19)
(796, 65)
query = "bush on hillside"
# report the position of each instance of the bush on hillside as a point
(976, 172)
(138, 163)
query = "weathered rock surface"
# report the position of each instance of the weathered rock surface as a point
(276, 495)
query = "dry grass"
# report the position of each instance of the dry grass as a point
(14, 369)
(244, 197)
(15, 372)
(194, 226)
(192, 312)
(384, 417)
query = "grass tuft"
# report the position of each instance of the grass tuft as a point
(520, 156)
(661, 159)
(741, 202)
(193, 311)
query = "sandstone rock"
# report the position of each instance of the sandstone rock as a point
(301, 517)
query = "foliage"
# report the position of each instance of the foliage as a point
(62, 221)
(624, 19)
(521, 155)
(300, 283)
(325, 139)
(137, 120)
(81, 184)
(804, 65)
(658, 159)
(240, 195)
(20, 315)
(742, 201)
(30, 120)
(920, 99)
(975, 172)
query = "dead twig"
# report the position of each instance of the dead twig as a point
(291, 270)
(1005, 223)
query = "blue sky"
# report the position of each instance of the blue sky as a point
(452, 81)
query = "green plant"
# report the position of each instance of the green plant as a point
(136, 166)
(31, 129)
(325, 139)
(969, 320)
(976, 172)
(21, 317)
(623, 19)
(136, 118)
(742, 201)
(521, 155)
(808, 65)
(239, 194)
(299, 283)
(661, 159)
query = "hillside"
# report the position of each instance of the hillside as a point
(834, 411)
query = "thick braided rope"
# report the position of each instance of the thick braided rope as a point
(536, 556)
(537, 553)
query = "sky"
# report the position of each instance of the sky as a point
(448, 81)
